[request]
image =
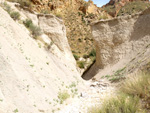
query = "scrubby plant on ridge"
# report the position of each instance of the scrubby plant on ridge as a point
(35, 30)
(62, 96)
(139, 85)
(81, 64)
(13, 14)
(132, 97)
(133, 7)
(23, 3)
(122, 103)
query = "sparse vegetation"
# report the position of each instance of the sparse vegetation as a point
(76, 57)
(28, 23)
(23, 3)
(133, 97)
(15, 15)
(103, 17)
(122, 103)
(15, 111)
(128, 9)
(81, 64)
(92, 53)
(133, 7)
(59, 15)
(45, 11)
(35, 30)
(62, 96)
(6, 7)
(139, 85)
(117, 76)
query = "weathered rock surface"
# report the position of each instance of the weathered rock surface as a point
(119, 4)
(113, 2)
(55, 29)
(30, 76)
(120, 40)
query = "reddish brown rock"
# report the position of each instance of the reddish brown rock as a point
(118, 4)
(113, 2)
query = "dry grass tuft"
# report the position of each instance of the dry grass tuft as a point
(133, 97)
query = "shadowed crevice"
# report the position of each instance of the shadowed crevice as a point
(90, 72)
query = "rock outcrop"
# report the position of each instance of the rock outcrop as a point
(77, 15)
(117, 5)
(120, 40)
(31, 77)
(113, 2)
(55, 29)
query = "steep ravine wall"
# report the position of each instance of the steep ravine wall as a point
(30, 76)
(119, 39)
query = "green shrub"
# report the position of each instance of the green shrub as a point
(85, 56)
(6, 7)
(120, 104)
(59, 15)
(27, 23)
(35, 30)
(81, 64)
(15, 15)
(76, 57)
(62, 96)
(103, 17)
(133, 96)
(139, 85)
(92, 53)
(117, 76)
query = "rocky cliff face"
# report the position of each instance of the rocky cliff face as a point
(121, 40)
(77, 15)
(32, 77)
(116, 6)
(113, 2)
(55, 29)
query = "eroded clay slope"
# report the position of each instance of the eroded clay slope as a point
(119, 41)
(30, 76)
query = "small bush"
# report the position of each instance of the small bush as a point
(103, 17)
(45, 11)
(117, 76)
(62, 96)
(76, 57)
(6, 7)
(81, 64)
(139, 85)
(15, 15)
(27, 23)
(59, 15)
(92, 53)
(120, 104)
(36, 31)
(85, 56)
(134, 97)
